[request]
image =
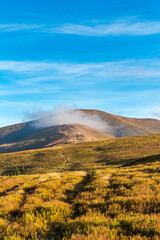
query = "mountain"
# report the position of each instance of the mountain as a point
(25, 136)
(123, 126)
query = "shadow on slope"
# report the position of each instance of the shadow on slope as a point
(15, 133)
(144, 160)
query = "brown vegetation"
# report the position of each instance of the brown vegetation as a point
(106, 204)
(115, 196)
(84, 156)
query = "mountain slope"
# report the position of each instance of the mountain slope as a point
(83, 156)
(51, 136)
(25, 136)
(123, 126)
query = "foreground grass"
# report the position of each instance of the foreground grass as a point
(83, 156)
(112, 203)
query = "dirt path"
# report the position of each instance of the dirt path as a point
(65, 159)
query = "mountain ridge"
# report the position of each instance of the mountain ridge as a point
(25, 136)
(50, 136)
(137, 126)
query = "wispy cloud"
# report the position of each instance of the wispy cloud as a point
(65, 81)
(20, 27)
(12, 91)
(118, 28)
(36, 72)
(129, 26)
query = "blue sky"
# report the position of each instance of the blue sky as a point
(93, 54)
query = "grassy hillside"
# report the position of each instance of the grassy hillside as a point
(104, 190)
(110, 204)
(84, 156)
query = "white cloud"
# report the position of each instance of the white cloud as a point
(19, 27)
(69, 80)
(129, 26)
(114, 29)
(36, 72)
(63, 114)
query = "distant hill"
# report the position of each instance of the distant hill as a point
(123, 126)
(25, 136)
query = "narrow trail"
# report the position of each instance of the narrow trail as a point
(78, 189)
(18, 212)
(25, 192)
(65, 160)
(74, 194)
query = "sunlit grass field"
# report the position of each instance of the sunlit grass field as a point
(103, 190)
(115, 203)
(84, 156)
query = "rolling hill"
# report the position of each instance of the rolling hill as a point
(25, 136)
(123, 126)
(83, 156)
(28, 137)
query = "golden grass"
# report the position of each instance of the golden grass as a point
(85, 156)
(112, 203)
(115, 196)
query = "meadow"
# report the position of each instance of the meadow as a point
(82, 156)
(106, 190)
(115, 203)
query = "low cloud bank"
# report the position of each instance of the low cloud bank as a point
(64, 115)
